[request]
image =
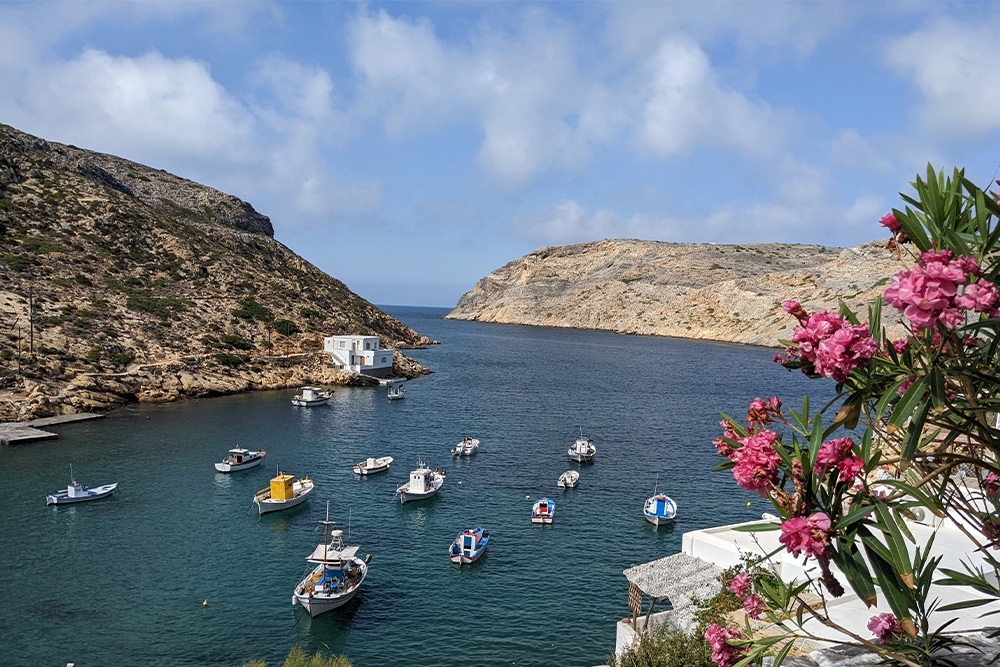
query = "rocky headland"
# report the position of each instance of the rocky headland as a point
(719, 292)
(121, 283)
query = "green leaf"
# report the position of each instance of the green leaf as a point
(911, 399)
(915, 432)
(966, 604)
(757, 527)
(782, 653)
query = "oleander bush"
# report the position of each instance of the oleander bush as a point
(298, 658)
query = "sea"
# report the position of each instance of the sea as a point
(179, 569)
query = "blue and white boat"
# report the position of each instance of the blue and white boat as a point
(543, 511)
(337, 577)
(469, 545)
(78, 493)
(660, 508)
(583, 450)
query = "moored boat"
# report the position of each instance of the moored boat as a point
(568, 479)
(469, 545)
(337, 577)
(423, 483)
(543, 511)
(78, 493)
(310, 396)
(284, 492)
(659, 508)
(397, 392)
(373, 465)
(582, 450)
(467, 447)
(240, 459)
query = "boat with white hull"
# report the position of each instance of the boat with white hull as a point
(240, 459)
(373, 465)
(423, 483)
(397, 393)
(582, 450)
(659, 508)
(337, 577)
(311, 396)
(543, 511)
(284, 493)
(467, 447)
(568, 479)
(78, 493)
(469, 545)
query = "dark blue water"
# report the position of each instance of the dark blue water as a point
(122, 581)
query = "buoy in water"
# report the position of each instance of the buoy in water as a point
(205, 603)
(748, 503)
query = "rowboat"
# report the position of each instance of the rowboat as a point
(373, 465)
(469, 545)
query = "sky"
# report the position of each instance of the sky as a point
(410, 148)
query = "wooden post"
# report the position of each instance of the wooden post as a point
(649, 613)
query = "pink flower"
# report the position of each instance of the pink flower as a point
(930, 291)
(832, 345)
(900, 345)
(795, 309)
(889, 222)
(756, 462)
(723, 653)
(740, 585)
(884, 626)
(722, 446)
(806, 534)
(981, 297)
(831, 452)
(850, 468)
(991, 484)
(753, 606)
(763, 412)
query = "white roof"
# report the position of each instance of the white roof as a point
(332, 554)
(675, 577)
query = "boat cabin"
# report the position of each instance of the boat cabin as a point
(281, 487)
(419, 481)
(543, 507)
(76, 490)
(311, 393)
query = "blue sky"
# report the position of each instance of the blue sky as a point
(410, 148)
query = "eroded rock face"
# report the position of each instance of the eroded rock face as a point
(714, 292)
(122, 283)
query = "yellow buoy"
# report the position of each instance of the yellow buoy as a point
(205, 603)
(748, 503)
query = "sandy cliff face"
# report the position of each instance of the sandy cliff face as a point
(119, 282)
(713, 292)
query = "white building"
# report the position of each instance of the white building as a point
(360, 354)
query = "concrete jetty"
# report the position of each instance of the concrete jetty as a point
(19, 433)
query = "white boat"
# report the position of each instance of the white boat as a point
(423, 483)
(397, 392)
(568, 479)
(583, 449)
(240, 459)
(284, 492)
(373, 465)
(659, 509)
(467, 447)
(469, 545)
(78, 493)
(337, 577)
(543, 511)
(310, 396)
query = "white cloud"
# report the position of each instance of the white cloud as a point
(956, 69)
(147, 108)
(689, 107)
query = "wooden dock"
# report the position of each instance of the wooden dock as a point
(20, 433)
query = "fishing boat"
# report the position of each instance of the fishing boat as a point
(568, 479)
(660, 509)
(373, 465)
(423, 483)
(397, 392)
(240, 459)
(338, 574)
(469, 545)
(543, 511)
(284, 492)
(467, 447)
(582, 450)
(310, 396)
(78, 493)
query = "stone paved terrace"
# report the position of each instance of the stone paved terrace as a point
(20, 433)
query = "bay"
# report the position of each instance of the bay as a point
(123, 581)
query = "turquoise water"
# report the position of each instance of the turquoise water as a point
(122, 581)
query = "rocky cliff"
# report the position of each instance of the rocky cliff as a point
(707, 291)
(119, 282)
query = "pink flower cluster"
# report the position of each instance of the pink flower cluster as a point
(740, 585)
(938, 289)
(721, 446)
(765, 411)
(723, 653)
(991, 484)
(807, 534)
(757, 462)
(884, 626)
(830, 343)
(838, 454)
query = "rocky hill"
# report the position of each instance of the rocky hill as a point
(119, 282)
(707, 291)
